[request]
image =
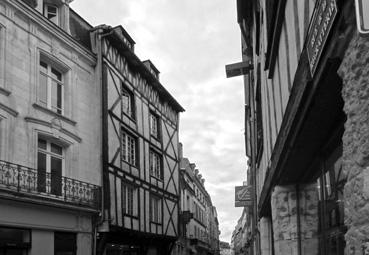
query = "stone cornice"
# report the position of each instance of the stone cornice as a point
(4, 91)
(9, 110)
(50, 124)
(56, 31)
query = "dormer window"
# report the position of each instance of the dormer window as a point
(51, 12)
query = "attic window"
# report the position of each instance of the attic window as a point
(51, 13)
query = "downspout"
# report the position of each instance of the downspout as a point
(298, 220)
(100, 79)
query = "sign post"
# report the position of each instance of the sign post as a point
(243, 196)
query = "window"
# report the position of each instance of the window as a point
(155, 165)
(154, 125)
(51, 87)
(129, 148)
(129, 196)
(65, 243)
(51, 12)
(128, 102)
(155, 207)
(14, 241)
(49, 167)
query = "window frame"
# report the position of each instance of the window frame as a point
(49, 155)
(50, 82)
(127, 208)
(45, 13)
(127, 93)
(154, 121)
(156, 216)
(125, 148)
(156, 173)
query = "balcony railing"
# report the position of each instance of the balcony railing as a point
(29, 181)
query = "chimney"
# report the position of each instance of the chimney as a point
(199, 176)
(196, 172)
(202, 181)
(192, 165)
(180, 151)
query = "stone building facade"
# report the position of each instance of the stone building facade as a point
(199, 226)
(306, 125)
(49, 118)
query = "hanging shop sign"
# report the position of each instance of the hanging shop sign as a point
(243, 196)
(237, 69)
(320, 27)
(362, 16)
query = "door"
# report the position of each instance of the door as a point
(49, 167)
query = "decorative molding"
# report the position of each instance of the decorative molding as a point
(9, 110)
(56, 31)
(55, 124)
(37, 121)
(56, 115)
(70, 134)
(4, 91)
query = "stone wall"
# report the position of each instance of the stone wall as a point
(286, 225)
(355, 93)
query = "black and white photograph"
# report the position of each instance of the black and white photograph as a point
(184, 127)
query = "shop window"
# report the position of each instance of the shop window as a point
(155, 209)
(129, 148)
(14, 241)
(155, 165)
(50, 163)
(65, 243)
(330, 185)
(51, 86)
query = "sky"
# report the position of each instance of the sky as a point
(190, 42)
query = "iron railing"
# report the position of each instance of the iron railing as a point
(22, 179)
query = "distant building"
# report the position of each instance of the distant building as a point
(225, 248)
(198, 217)
(241, 236)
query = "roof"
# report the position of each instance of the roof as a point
(118, 37)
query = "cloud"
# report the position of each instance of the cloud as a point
(190, 42)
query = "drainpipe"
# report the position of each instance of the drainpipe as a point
(298, 219)
(98, 39)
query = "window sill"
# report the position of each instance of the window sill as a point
(57, 115)
(156, 178)
(130, 117)
(155, 138)
(156, 223)
(129, 164)
(4, 91)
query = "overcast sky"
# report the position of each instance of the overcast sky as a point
(190, 42)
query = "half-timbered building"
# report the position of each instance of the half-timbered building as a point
(140, 150)
(306, 124)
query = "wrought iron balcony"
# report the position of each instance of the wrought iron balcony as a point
(29, 181)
